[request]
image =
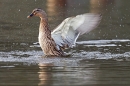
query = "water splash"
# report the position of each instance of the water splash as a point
(85, 50)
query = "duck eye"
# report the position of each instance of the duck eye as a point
(37, 10)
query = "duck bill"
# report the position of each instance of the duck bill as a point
(30, 15)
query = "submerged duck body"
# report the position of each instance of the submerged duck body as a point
(66, 34)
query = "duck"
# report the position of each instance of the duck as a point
(65, 35)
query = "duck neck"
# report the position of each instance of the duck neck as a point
(44, 28)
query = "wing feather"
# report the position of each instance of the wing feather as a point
(69, 30)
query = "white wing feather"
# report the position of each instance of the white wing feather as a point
(69, 30)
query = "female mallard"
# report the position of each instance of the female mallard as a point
(66, 34)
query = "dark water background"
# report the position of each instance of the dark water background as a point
(100, 58)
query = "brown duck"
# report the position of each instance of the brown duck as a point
(65, 35)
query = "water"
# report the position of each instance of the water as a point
(101, 57)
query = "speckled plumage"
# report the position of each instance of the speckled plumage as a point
(46, 42)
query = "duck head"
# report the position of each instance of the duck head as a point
(38, 12)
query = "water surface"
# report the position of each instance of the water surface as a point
(101, 57)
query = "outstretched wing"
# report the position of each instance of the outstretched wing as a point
(69, 30)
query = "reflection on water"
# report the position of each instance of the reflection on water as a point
(99, 6)
(45, 75)
(101, 57)
(86, 72)
(53, 7)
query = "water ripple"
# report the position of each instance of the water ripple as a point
(109, 49)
